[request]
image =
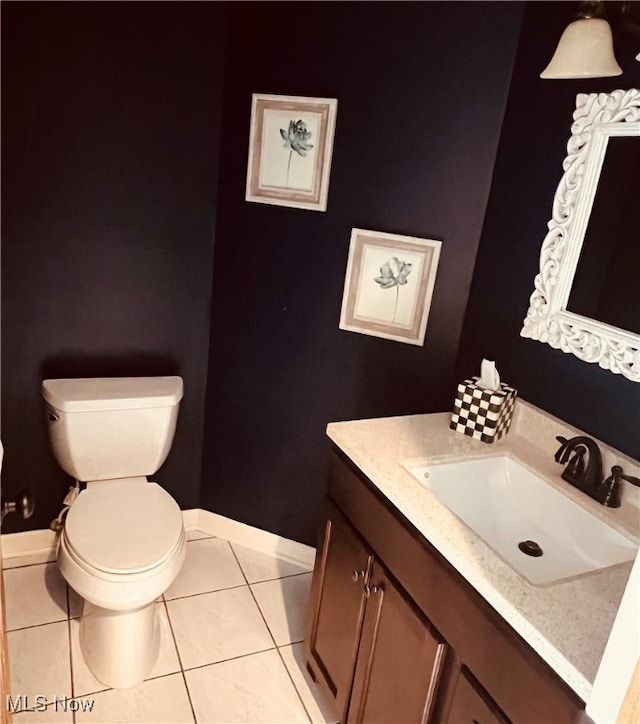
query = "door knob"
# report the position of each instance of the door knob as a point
(23, 504)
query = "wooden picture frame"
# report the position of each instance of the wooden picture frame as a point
(389, 285)
(290, 150)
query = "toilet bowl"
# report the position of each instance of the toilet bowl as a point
(119, 559)
(123, 540)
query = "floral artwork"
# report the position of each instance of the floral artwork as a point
(389, 280)
(290, 149)
(388, 285)
(296, 138)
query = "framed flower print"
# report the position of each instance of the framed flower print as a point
(388, 285)
(290, 149)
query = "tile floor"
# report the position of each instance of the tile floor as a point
(232, 626)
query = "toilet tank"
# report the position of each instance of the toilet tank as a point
(112, 427)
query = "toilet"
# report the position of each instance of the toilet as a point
(123, 539)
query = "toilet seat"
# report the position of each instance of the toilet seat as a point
(122, 529)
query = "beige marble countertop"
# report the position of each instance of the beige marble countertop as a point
(567, 623)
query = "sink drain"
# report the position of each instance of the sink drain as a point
(530, 548)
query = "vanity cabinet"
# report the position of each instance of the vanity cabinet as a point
(378, 656)
(338, 610)
(395, 634)
(400, 657)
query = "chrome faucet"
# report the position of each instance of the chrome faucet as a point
(587, 476)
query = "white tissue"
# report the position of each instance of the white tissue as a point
(489, 377)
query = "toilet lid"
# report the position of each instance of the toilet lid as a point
(124, 527)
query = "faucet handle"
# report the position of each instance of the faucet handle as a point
(618, 474)
(610, 495)
(610, 489)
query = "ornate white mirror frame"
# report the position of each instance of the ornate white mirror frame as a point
(597, 117)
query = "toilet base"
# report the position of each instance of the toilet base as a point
(120, 647)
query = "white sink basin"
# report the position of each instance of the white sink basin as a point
(506, 504)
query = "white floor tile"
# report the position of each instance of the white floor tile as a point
(39, 661)
(157, 701)
(283, 604)
(262, 567)
(318, 710)
(217, 626)
(209, 566)
(251, 689)
(34, 595)
(85, 682)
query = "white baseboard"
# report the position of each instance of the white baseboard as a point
(255, 538)
(29, 542)
(190, 518)
(43, 542)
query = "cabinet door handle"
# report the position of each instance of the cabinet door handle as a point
(371, 590)
(357, 575)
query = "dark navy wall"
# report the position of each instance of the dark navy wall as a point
(528, 168)
(110, 136)
(421, 91)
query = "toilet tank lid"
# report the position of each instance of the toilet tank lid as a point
(112, 393)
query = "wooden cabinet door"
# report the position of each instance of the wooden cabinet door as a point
(336, 609)
(472, 705)
(400, 658)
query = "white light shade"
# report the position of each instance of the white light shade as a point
(585, 50)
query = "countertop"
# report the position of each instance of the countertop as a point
(567, 623)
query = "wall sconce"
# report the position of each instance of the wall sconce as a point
(585, 49)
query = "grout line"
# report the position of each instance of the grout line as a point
(204, 593)
(36, 625)
(295, 688)
(73, 686)
(204, 536)
(246, 583)
(280, 558)
(280, 578)
(231, 658)
(173, 635)
(175, 643)
(265, 580)
(86, 694)
(255, 600)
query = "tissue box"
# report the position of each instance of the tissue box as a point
(483, 414)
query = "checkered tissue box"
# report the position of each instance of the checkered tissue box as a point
(483, 414)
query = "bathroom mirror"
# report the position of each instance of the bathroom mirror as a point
(586, 297)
